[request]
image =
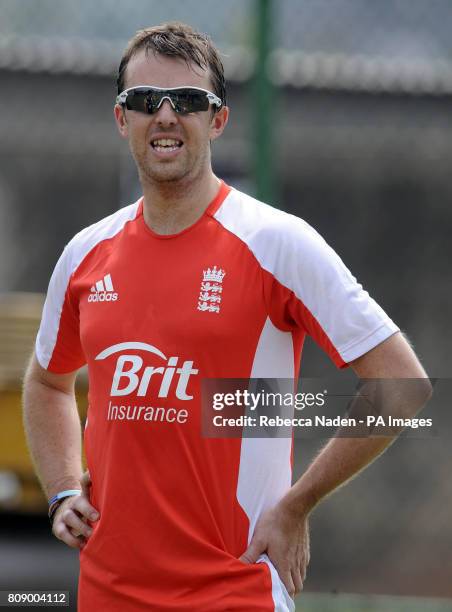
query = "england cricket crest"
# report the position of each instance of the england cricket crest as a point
(209, 299)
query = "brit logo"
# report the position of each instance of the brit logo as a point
(103, 291)
(211, 288)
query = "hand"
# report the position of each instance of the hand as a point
(284, 536)
(70, 520)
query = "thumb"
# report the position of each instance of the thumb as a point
(253, 552)
(85, 481)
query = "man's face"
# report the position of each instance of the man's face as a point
(190, 159)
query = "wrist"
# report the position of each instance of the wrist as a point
(64, 483)
(298, 503)
(58, 499)
(62, 494)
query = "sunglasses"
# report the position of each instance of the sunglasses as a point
(148, 99)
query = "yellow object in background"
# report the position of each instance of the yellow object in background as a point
(20, 314)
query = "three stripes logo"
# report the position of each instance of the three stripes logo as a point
(103, 291)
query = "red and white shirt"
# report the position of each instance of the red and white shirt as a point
(232, 296)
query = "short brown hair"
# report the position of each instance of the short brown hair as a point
(176, 39)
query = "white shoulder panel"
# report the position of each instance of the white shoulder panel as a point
(299, 258)
(74, 253)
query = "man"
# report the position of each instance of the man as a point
(195, 280)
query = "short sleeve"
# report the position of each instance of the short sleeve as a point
(312, 289)
(58, 346)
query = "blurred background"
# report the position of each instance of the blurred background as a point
(341, 114)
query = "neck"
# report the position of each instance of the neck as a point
(170, 207)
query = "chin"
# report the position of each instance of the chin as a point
(166, 175)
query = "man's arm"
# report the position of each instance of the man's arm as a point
(283, 531)
(343, 458)
(52, 427)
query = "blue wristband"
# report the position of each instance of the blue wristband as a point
(63, 494)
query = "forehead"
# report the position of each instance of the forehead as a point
(147, 68)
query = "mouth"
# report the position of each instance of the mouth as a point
(166, 145)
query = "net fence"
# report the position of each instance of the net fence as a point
(392, 45)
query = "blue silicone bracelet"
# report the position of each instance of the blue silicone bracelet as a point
(63, 494)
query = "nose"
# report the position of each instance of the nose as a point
(166, 115)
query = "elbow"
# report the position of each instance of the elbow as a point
(427, 389)
(418, 392)
(423, 384)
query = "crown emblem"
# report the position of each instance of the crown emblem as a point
(214, 274)
(209, 299)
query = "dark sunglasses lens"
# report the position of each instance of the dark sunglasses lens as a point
(142, 101)
(136, 101)
(191, 102)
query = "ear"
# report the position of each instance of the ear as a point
(218, 122)
(121, 121)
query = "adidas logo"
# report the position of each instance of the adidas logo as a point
(103, 291)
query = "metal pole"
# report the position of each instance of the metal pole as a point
(263, 105)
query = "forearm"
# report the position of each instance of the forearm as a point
(53, 431)
(338, 462)
(344, 457)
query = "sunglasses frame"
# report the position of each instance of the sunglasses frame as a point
(211, 97)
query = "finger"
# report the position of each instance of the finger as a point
(62, 533)
(297, 579)
(78, 527)
(85, 482)
(307, 548)
(80, 539)
(304, 562)
(286, 577)
(82, 506)
(75, 533)
(253, 552)
(303, 569)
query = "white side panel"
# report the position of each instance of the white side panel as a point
(73, 254)
(281, 598)
(265, 470)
